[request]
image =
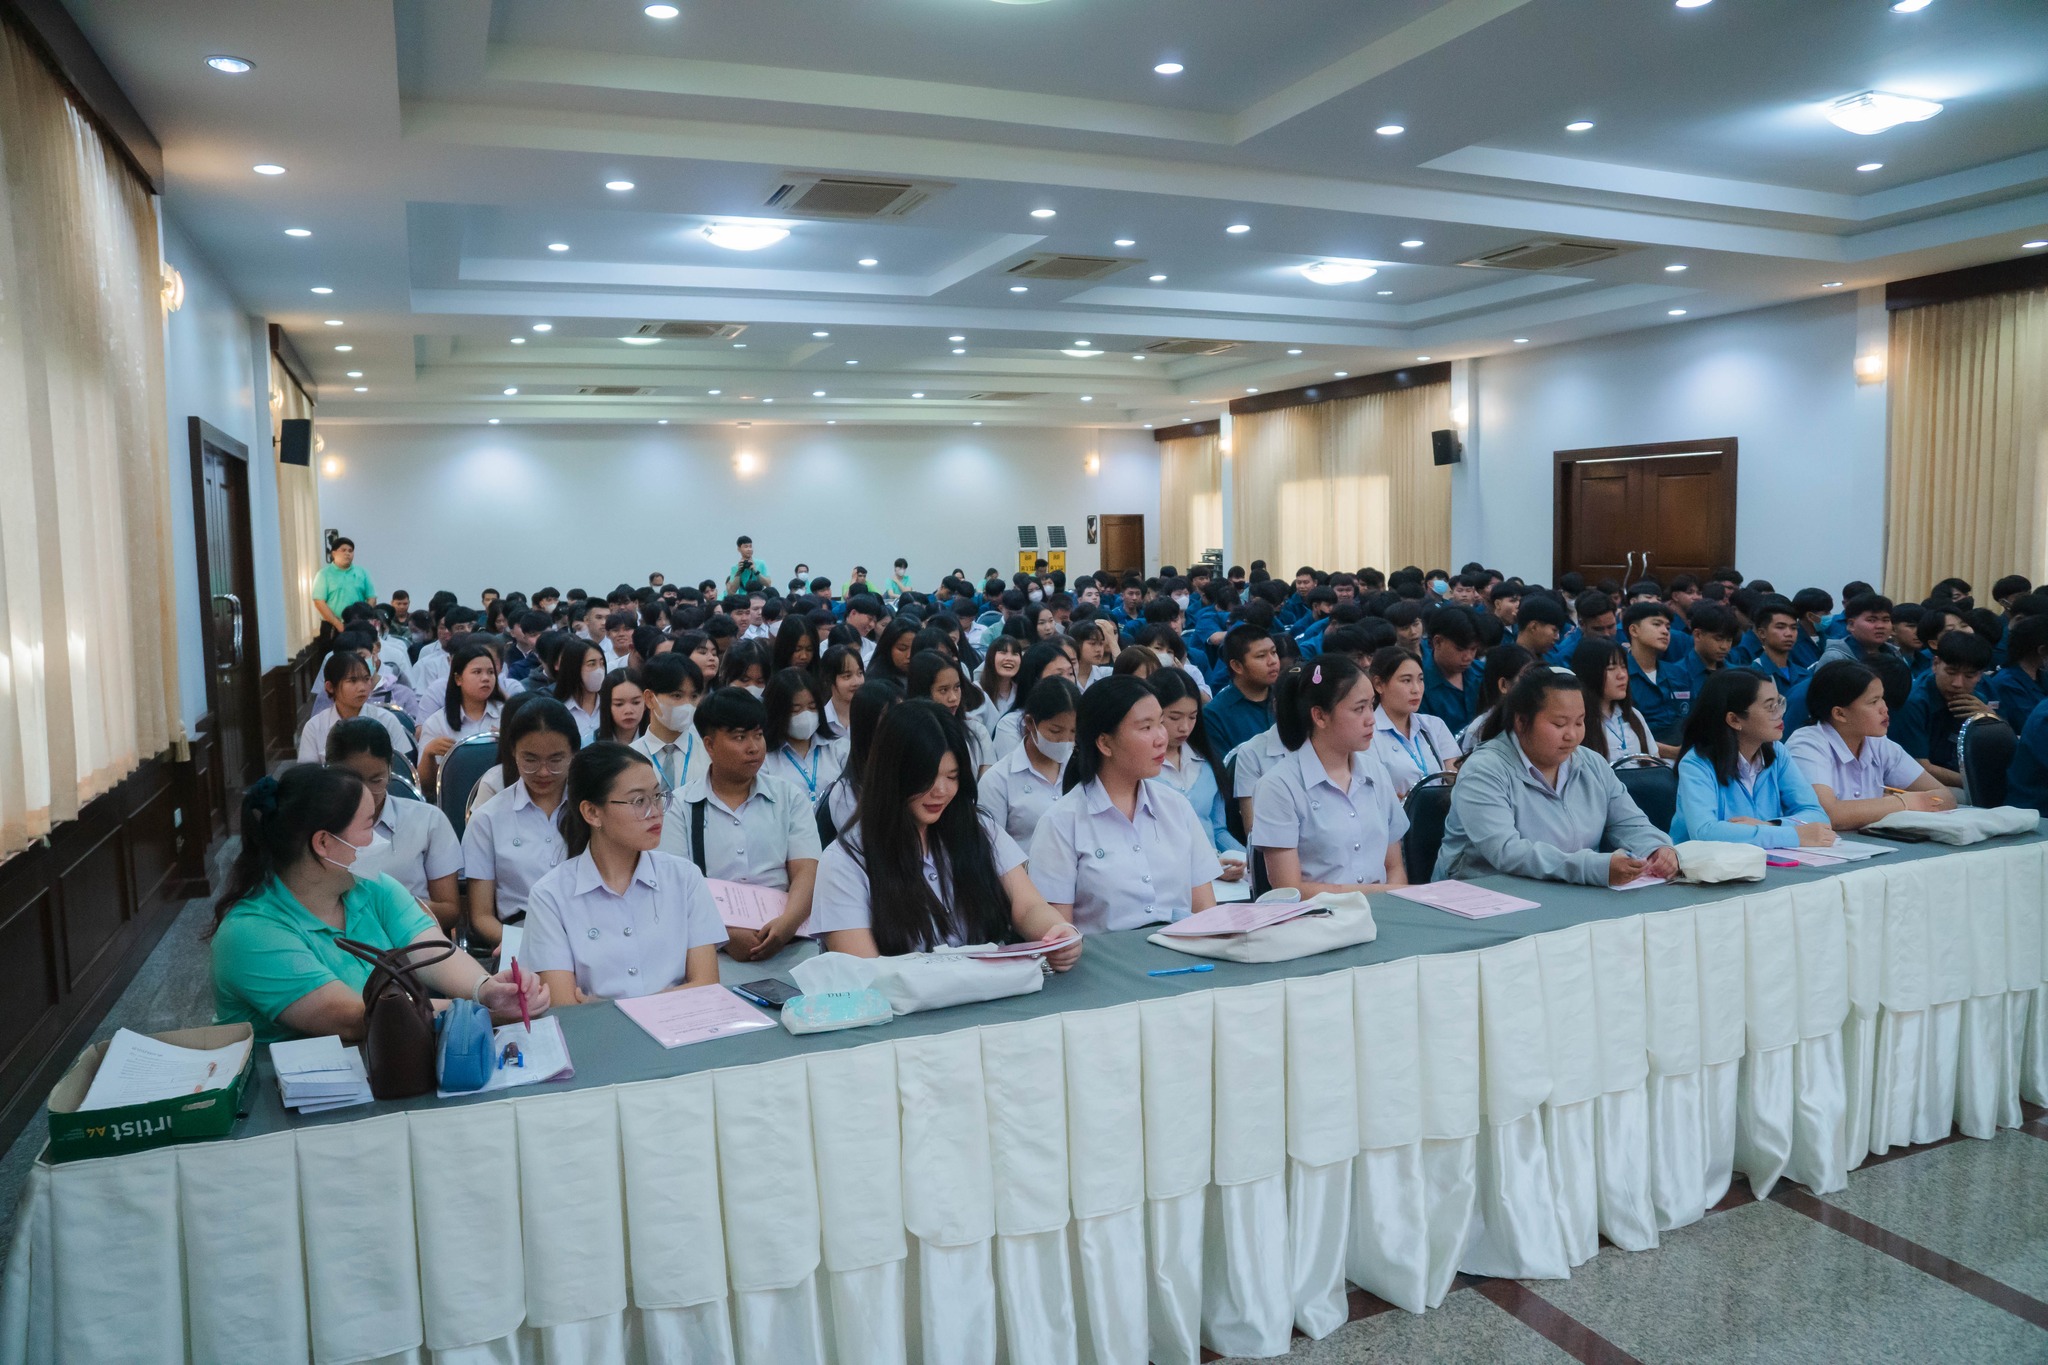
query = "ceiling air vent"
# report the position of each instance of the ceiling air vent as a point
(612, 391)
(1190, 347)
(998, 397)
(839, 196)
(691, 331)
(1051, 266)
(1548, 253)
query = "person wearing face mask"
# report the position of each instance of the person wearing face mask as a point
(422, 851)
(579, 683)
(1326, 817)
(747, 665)
(293, 893)
(671, 685)
(1122, 848)
(1020, 787)
(798, 752)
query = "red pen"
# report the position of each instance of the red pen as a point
(525, 1018)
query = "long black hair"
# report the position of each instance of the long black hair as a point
(1324, 682)
(779, 700)
(883, 664)
(793, 631)
(606, 730)
(875, 697)
(1173, 685)
(462, 657)
(340, 666)
(827, 669)
(1037, 658)
(1706, 726)
(1503, 666)
(1001, 644)
(1101, 713)
(280, 816)
(1591, 661)
(907, 916)
(1531, 693)
(592, 772)
(926, 667)
(569, 668)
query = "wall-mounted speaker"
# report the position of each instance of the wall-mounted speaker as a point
(295, 441)
(1445, 446)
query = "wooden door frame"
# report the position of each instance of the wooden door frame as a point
(1102, 527)
(202, 437)
(1560, 481)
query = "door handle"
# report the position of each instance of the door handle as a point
(1628, 568)
(235, 640)
(1646, 563)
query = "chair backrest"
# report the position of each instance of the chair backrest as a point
(411, 729)
(1427, 807)
(462, 768)
(401, 766)
(1652, 784)
(1233, 813)
(1986, 745)
(827, 831)
(402, 786)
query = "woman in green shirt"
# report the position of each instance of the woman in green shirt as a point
(292, 894)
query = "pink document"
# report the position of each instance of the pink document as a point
(743, 906)
(1463, 898)
(1240, 918)
(696, 1015)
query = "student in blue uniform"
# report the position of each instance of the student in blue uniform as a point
(1244, 708)
(1776, 628)
(1929, 724)
(1866, 630)
(1809, 606)
(2016, 688)
(1661, 688)
(1735, 783)
(1448, 690)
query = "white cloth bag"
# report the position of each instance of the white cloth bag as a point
(1708, 860)
(1966, 825)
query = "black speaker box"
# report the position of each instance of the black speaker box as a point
(1444, 445)
(295, 442)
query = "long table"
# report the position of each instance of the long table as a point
(1116, 1168)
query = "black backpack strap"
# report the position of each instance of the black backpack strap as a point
(697, 836)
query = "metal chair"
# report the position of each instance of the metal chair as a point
(402, 786)
(412, 730)
(461, 769)
(401, 766)
(1652, 783)
(1986, 745)
(1427, 807)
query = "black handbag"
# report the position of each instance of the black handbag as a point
(398, 1017)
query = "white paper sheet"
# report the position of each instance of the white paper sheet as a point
(543, 1049)
(139, 1069)
(1463, 898)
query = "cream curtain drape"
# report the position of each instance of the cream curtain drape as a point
(1190, 499)
(1969, 443)
(298, 515)
(89, 668)
(1342, 484)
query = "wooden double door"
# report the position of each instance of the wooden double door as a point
(227, 581)
(1645, 511)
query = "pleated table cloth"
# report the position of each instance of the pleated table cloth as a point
(1120, 1168)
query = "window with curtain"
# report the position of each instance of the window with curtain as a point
(1969, 443)
(89, 668)
(303, 547)
(1342, 484)
(1190, 499)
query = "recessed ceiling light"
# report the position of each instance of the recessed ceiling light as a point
(558, 246)
(869, 260)
(739, 345)
(1421, 358)
(661, 421)
(1079, 354)
(1581, 126)
(714, 392)
(1083, 341)
(1341, 374)
(344, 349)
(1910, 6)
(1674, 312)
(977, 424)
(543, 326)
(641, 341)
(1020, 289)
(959, 350)
(1295, 351)
(298, 232)
(661, 11)
(1251, 390)
(2032, 246)
(233, 66)
(322, 289)
(1873, 111)
(361, 388)
(518, 341)
(1521, 341)
(1832, 284)
(821, 335)
(1087, 398)
(831, 421)
(853, 362)
(1157, 279)
(1169, 69)
(355, 374)
(1137, 357)
(817, 393)
(618, 186)
(1693, 4)
(1148, 426)
(1125, 241)
(742, 236)
(1239, 227)
(494, 421)
(1390, 130)
(767, 400)
(268, 168)
(1412, 243)
(1338, 271)
(1045, 213)
(917, 395)
(334, 322)
(510, 392)
(1870, 166)
(956, 338)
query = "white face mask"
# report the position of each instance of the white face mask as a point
(678, 716)
(755, 692)
(803, 725)
(1166, 660)
(1036, 595)
(1181, 600)
(1058, 750)
(593, 679)
(377, 846)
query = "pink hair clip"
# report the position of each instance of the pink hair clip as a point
(1317, 676)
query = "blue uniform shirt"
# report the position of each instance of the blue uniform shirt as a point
(1451, 705)
(1806, 649)
(1665, 700)
(2027, 779)
(2016, 693)
(1924, 727)
(1232, 718)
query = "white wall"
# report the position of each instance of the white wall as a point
(214, 354)
(592, 506)
(1810, 492)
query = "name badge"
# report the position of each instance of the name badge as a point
(1681, 696)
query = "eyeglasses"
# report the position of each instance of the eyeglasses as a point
(646, 805)
(552, 767)
(1774, 707)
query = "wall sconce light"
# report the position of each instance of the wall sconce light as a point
(332, 466)
(1870, 369)
(746, 464)
(1093, 464)
(173, 288)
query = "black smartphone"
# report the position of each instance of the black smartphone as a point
(768, 993)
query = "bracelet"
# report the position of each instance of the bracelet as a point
(477, 995)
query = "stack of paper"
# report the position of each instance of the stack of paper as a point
(1839, 852)
(139, 1069)
(695, 1015)
(742, 905)
(315, 1074)
(1238, 919)
(1463, 898)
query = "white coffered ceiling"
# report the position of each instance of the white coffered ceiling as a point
(436, 148)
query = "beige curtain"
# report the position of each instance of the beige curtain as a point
(298, 514)
(1190, 499)
(1343, 485)
(1969, 443)
(88, 636)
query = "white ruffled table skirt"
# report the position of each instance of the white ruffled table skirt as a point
(1108, 1185)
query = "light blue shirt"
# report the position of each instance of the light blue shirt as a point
(1505, 818)
(1341, 835)
(1196, 780)
(1779, 791)
(1118, 872)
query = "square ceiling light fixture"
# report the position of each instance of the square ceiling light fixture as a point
(1874, 111)
(1337, 271)
(742, 235)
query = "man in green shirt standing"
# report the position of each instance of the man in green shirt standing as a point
(340, 584)
(746, 576)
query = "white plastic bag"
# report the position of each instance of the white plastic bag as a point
(1709, 860)
(1966, 825)
(934, 981)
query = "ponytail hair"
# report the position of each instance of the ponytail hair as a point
(280, 816)
(1102, 710)
(592, 772)
(1322, 682)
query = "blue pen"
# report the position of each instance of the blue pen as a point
(1183, 971)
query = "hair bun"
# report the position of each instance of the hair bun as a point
(261, 796)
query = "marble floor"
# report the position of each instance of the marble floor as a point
(1936, 1253)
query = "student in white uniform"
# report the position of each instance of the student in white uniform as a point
(1096, 644)
(840, 672)
(843, 796)
(937, 676)
(1857, 771)
(1499, 667)
(1000, 664)
(516, 837)
(670, 685)
(1325, 816)
(579, 684)
(747, 666)
(1249, 761)
(1020, 788)
(423, 853)
(619, 919)
(1409, 744)
(1614, 729)
(470, 708)
(1046, 659)
(1190, 766)
(347, 681)
(759, 829)
(1122, 848)
(922, 867)
(621, 708)
(798, 752)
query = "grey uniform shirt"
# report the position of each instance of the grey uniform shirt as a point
(1505, 818)
(755, 843)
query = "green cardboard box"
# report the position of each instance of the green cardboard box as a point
(139, 1127)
